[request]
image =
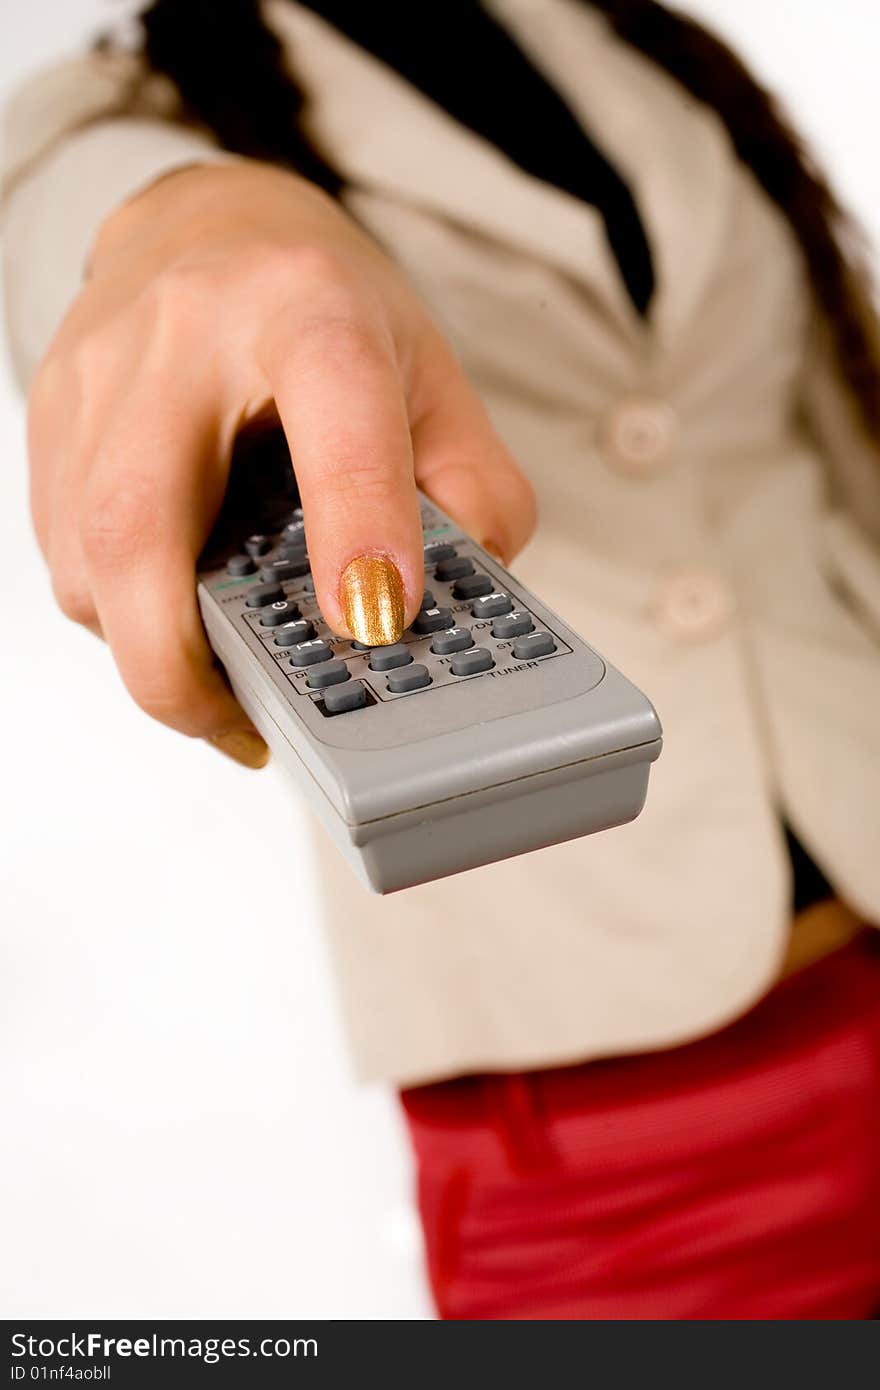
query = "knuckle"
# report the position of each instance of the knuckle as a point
(357, 477)
(306, 265)
(120, 522)
(168, 700)
(173, 682)
(93, 358)
(281, 275)
(182, 284)
(176, 303)
(176, 698)
(343, 339)
(74, 600)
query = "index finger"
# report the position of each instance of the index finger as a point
(339, 393)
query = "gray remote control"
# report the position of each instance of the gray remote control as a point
(489, 730)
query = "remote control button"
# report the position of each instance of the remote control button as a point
(330, 673)
(455, 568)
(492, 605)
(408, 678)
(292, 550)
(432, 620)
(439, 550)
(349, 695)
(386, 658)
(263, 594)
(310, 653)
(361, 647)
(283, 568)
(284, 611)
(257, 545)
(294, 532)
(309, 585)
(297, 632)
(240, 565)
(469, 663)
(454, 639)
(473, 585)
(513, 625)
(428, 600)
(538, 644)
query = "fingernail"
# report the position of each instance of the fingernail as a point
(244, 745)
(494, 549)
(371, 595)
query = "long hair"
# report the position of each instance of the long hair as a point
(230, 71)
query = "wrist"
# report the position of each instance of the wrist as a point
(148, 210)
(186, 204)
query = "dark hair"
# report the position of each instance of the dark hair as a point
(229, 69)
(768, 145)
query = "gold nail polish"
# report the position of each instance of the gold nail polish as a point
(243, 745)
(371, 595)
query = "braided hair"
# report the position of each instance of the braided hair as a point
(230, 72)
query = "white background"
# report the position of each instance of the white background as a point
(181, 1136)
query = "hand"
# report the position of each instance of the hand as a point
(220, 294)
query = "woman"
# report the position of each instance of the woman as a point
(640, 1071)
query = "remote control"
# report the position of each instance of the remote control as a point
(491, 729)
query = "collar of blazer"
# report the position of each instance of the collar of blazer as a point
(382, 133)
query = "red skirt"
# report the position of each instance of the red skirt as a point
(737, 1177)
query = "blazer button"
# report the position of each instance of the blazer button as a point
(695, 605)
(638, 436)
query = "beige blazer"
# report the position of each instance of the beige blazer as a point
(709, 518)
